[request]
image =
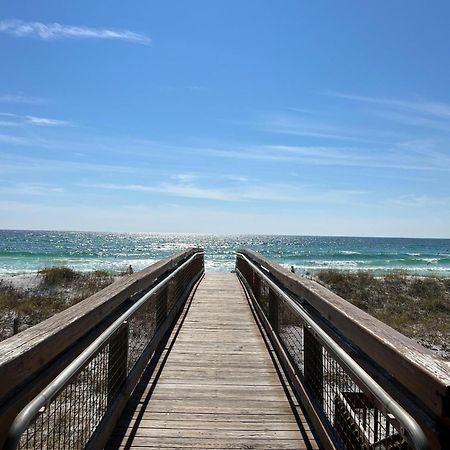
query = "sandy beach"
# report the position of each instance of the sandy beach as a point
(417, 306)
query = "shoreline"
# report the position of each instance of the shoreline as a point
(391, 298)
(228, 267)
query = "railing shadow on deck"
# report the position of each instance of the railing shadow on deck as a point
(364, 385)
(75, 371)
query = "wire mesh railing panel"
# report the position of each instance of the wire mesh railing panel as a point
(68, 421)
(291, 333)
(347, 409)
(356, 420)
(72, 414)
(141, 329)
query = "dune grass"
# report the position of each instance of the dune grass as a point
(52, 276)
(59, 288)
(418, 307)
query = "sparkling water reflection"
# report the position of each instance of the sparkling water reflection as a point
(27, 251)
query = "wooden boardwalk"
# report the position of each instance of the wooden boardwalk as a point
(217, 385)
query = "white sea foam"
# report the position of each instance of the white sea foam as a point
(27, 251)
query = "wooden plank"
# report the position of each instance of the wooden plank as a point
(31, 359)
(424, 374)
(218, 387)
(218, 433)
(181, 425)
(205, 418)
(141, 443)
(23, 354)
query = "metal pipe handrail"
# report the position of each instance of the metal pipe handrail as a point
(409, 426)
(23, 419)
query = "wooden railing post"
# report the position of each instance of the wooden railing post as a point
(161, 307)
(117, 360)
(256, 285)
(313, 364)
(171, 291)
(15, 325)
(273, 311)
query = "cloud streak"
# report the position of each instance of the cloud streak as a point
(298, 125)
(422, 155)
(56, 31)
(20, 98)
(16, 120)
(17, 140)
(43, 121)
(437, 109)
(38, 189)
(256, 192)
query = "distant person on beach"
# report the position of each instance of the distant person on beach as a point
(292, 269)
(129, 270)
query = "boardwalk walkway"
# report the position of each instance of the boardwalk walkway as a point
(217, 388)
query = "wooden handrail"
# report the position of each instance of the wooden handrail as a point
(419, 378)
(29, 360)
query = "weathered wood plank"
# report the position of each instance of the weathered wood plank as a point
(206, 424)
(416, 368)
(141, 443)
(218, 387)
(205, 418)
(217, 432)
(28, 351)
(31, 359)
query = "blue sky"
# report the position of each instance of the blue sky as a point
(313, 117)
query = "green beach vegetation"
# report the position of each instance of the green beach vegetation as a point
(52, 290)
(418, 307)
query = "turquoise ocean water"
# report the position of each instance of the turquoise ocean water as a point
(28, 251)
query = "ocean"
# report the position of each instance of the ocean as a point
(28, 251)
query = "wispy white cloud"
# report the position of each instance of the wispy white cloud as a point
(9, 123)
(419, 201)
(419, 155)
(15, 120)
(299, 125)
(20, 98)
(185, 177)
(44, 121)
(256, 192)
(414, 120)
(8, 139)
(236, 178)
(438, 109)
(54, 31)
(19, 164)
(177, 189)
(31, 189)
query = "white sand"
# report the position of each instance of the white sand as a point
(25, 282)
